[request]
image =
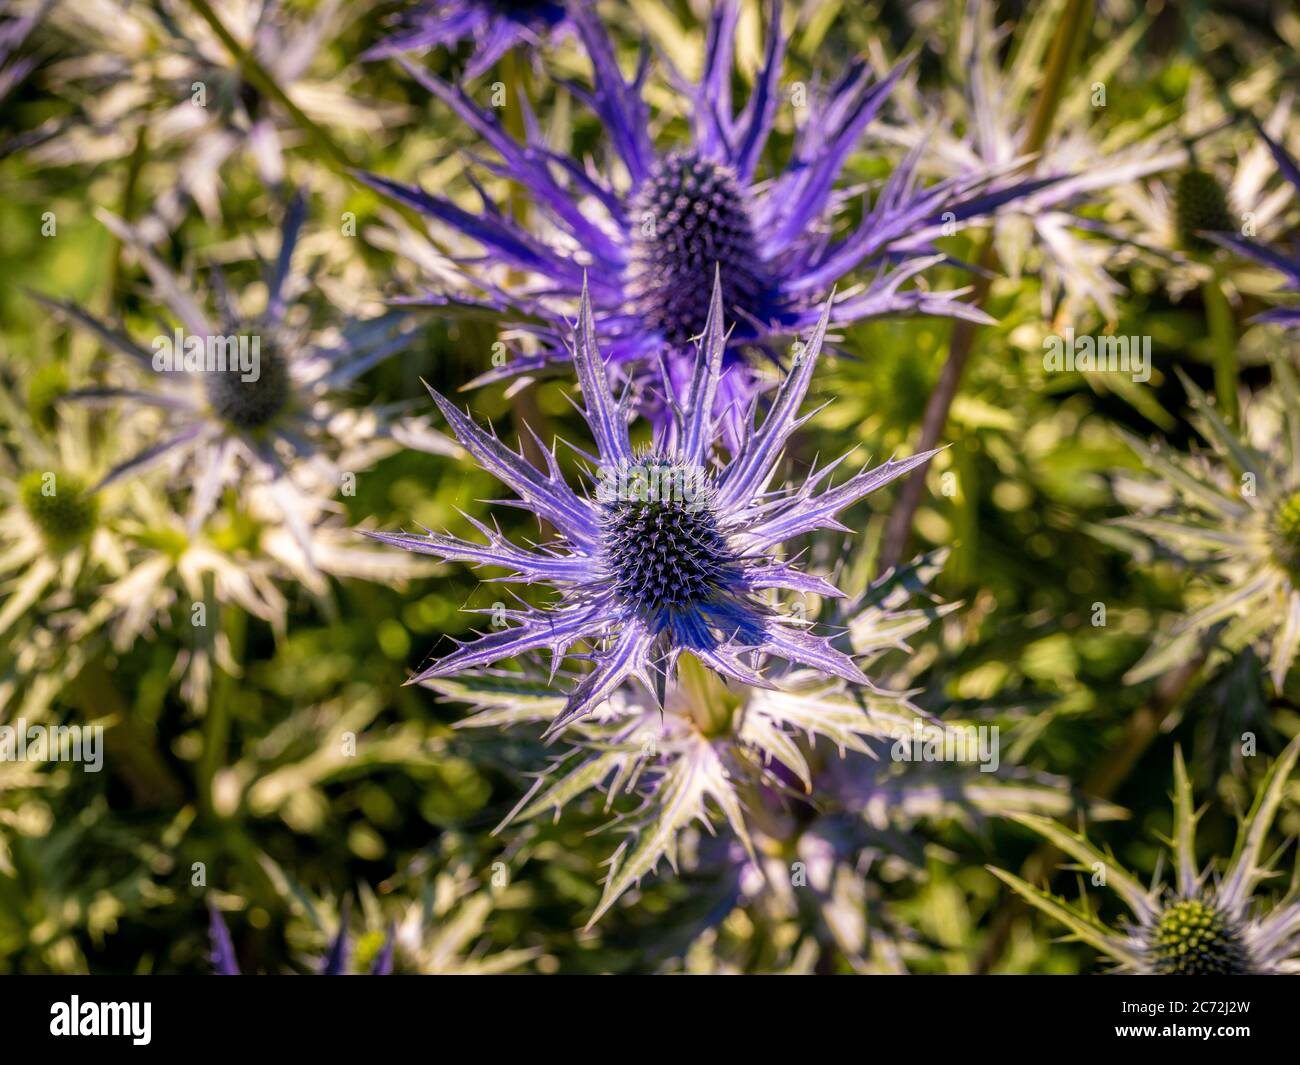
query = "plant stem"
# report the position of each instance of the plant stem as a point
(1061, 58)
(712, 706)
(266, 85)
(523, 401)
(960, 344)
(130, 750)
(216, 723)
(126, 209)
(1222, 327)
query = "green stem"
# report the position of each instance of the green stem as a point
(523, 401)
(712, 705)
(130, 749)
(266, 85)
(126, 209)
(1222, 327)
(1062, 55)
(216, 723)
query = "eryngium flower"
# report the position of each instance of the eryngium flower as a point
(269, 413)
(648, 232)
(987, 126)
(713, 750)
(157, 74)
(495, 26)
(1222, 183)
(1203, 925)
(1286, 263)
(672, 552)
(1235, 519)
(444, 930)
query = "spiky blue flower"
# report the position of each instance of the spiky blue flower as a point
(647, 231)
(1284, 262)
(673, 549)
(495, 26)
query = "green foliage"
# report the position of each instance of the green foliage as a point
(1082, 539)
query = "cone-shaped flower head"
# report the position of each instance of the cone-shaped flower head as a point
(647, 230)
(670, 548)
(1201, 925)
(1234, 518)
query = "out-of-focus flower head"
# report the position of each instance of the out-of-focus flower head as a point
(1202, 925)
(250, 399)
(335, 963)
(991, 110)
(1285, 262)
(1234, 517)
(648, 230)
(495, 26)
(92, 569)
(1222, 191)
(671, 554)
(440, 932)
(134, 56)
(58, 539)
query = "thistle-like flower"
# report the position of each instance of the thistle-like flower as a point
(1284, 262)
(647, 234)
(495, 26)
(713, 748)
(83, 569)
(1235, 519)
(60, 541)
(1043, 231)
(335, 963)
(53, 538)
(127, 59)
(1202, 925)
(253, 398)
(1222, 190)
(671, 554)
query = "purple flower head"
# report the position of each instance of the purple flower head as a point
(1285, 262)
(646, 232)
(672, 550)
(495, 26)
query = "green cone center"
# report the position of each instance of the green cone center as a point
(1200, 205)
(1192, 938)
(60, 507)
